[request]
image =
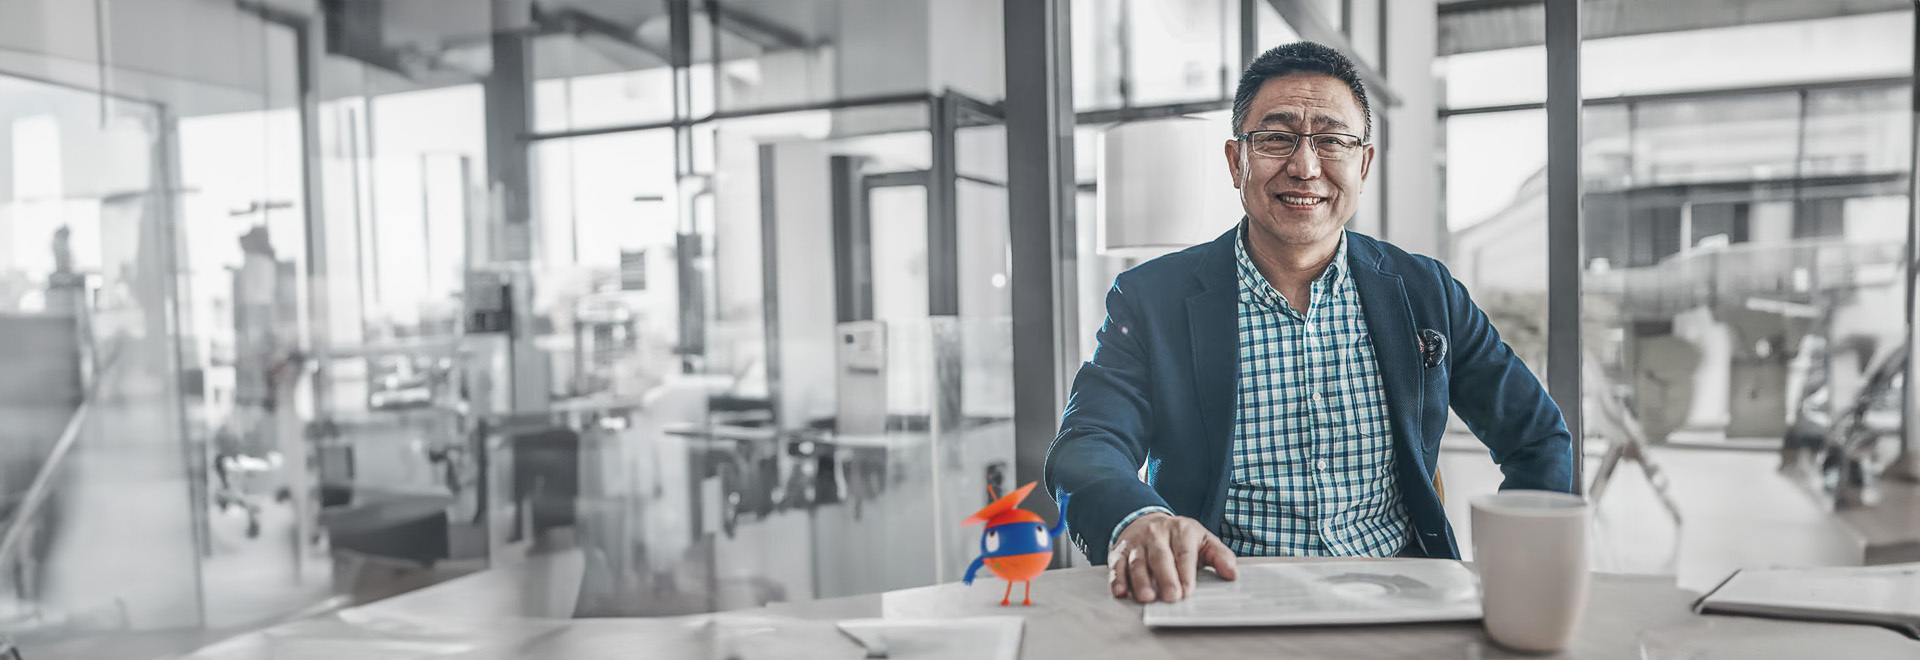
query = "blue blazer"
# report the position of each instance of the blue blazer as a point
(1163, 384)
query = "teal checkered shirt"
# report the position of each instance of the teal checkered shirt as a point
(1313, 466)
(1313, 470)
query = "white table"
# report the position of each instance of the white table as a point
(1073, 617)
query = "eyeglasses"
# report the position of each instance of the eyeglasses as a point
(1281, 144)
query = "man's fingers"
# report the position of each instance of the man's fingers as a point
(1160, 559)
(1117, 577)
(1140, 575)
(1186, 554)
(1166, 577)
(1217, 555)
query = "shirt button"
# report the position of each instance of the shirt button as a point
(1320, 465)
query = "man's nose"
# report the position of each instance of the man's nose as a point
(1304, 163)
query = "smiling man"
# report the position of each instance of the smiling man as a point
(1286, 385)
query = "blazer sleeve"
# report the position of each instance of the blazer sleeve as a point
(1501, 401)
(1103, 441)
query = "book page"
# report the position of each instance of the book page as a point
(1325, 593)
(1893, 589)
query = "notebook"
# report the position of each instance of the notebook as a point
(1327, 593)
(1879, 595)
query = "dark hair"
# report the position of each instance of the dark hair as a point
(1299, 57)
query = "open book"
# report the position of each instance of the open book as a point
(1879, 595)
(1337, 592)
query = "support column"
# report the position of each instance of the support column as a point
(509, 91)
(509, 118)
(310, 52)
(1563, 218)
(1042, 234)
(689, 245)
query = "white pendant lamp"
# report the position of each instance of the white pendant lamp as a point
(1164, 186)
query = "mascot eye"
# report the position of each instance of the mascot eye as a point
(993, 540)
(1040, 533)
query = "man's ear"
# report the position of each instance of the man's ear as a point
(1366, 162)
(1233, 161)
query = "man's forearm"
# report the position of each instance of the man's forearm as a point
(1104, 434)
(1106, 489)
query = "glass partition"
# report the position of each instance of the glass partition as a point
(244, 265)
(1745, 226)
(1493, 201)
(402, 408)
(1730, 264)
(99, 528)
(752, 466)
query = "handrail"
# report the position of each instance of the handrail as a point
(43, 480)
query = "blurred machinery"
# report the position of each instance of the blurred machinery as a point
(397, 382)
(605, 333)
(1847, 450)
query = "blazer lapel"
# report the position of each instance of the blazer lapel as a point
(1383, 301)
(1213, 323)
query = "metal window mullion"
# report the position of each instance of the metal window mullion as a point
(309, 52)
(1564, 355)
(943, 249)
(1125, 48)
(1249, 36)
(1042, 236)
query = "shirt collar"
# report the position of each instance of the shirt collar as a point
(1335, 273)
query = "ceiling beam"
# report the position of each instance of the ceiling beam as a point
(1306, 20)
(580, 22)
(1470, 6)
(765, 33)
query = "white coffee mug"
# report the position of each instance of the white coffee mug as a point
(1530, 547)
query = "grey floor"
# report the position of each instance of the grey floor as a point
(1736, 512)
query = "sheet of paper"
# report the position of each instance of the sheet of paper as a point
(1328, 593)
(973, 638)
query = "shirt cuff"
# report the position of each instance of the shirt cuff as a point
(1130, 518)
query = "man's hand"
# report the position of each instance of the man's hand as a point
(1157, 556)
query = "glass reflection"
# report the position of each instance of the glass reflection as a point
(92, 395)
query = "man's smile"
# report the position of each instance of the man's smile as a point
(1300, 200)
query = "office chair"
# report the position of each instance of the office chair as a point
(1626, 439)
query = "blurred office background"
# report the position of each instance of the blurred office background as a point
(305, 303)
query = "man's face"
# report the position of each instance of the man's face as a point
(1301, 199)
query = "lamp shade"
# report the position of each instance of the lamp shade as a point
(1163, 186)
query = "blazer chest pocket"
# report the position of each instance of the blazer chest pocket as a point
(1434, 383)
(1433, 348)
